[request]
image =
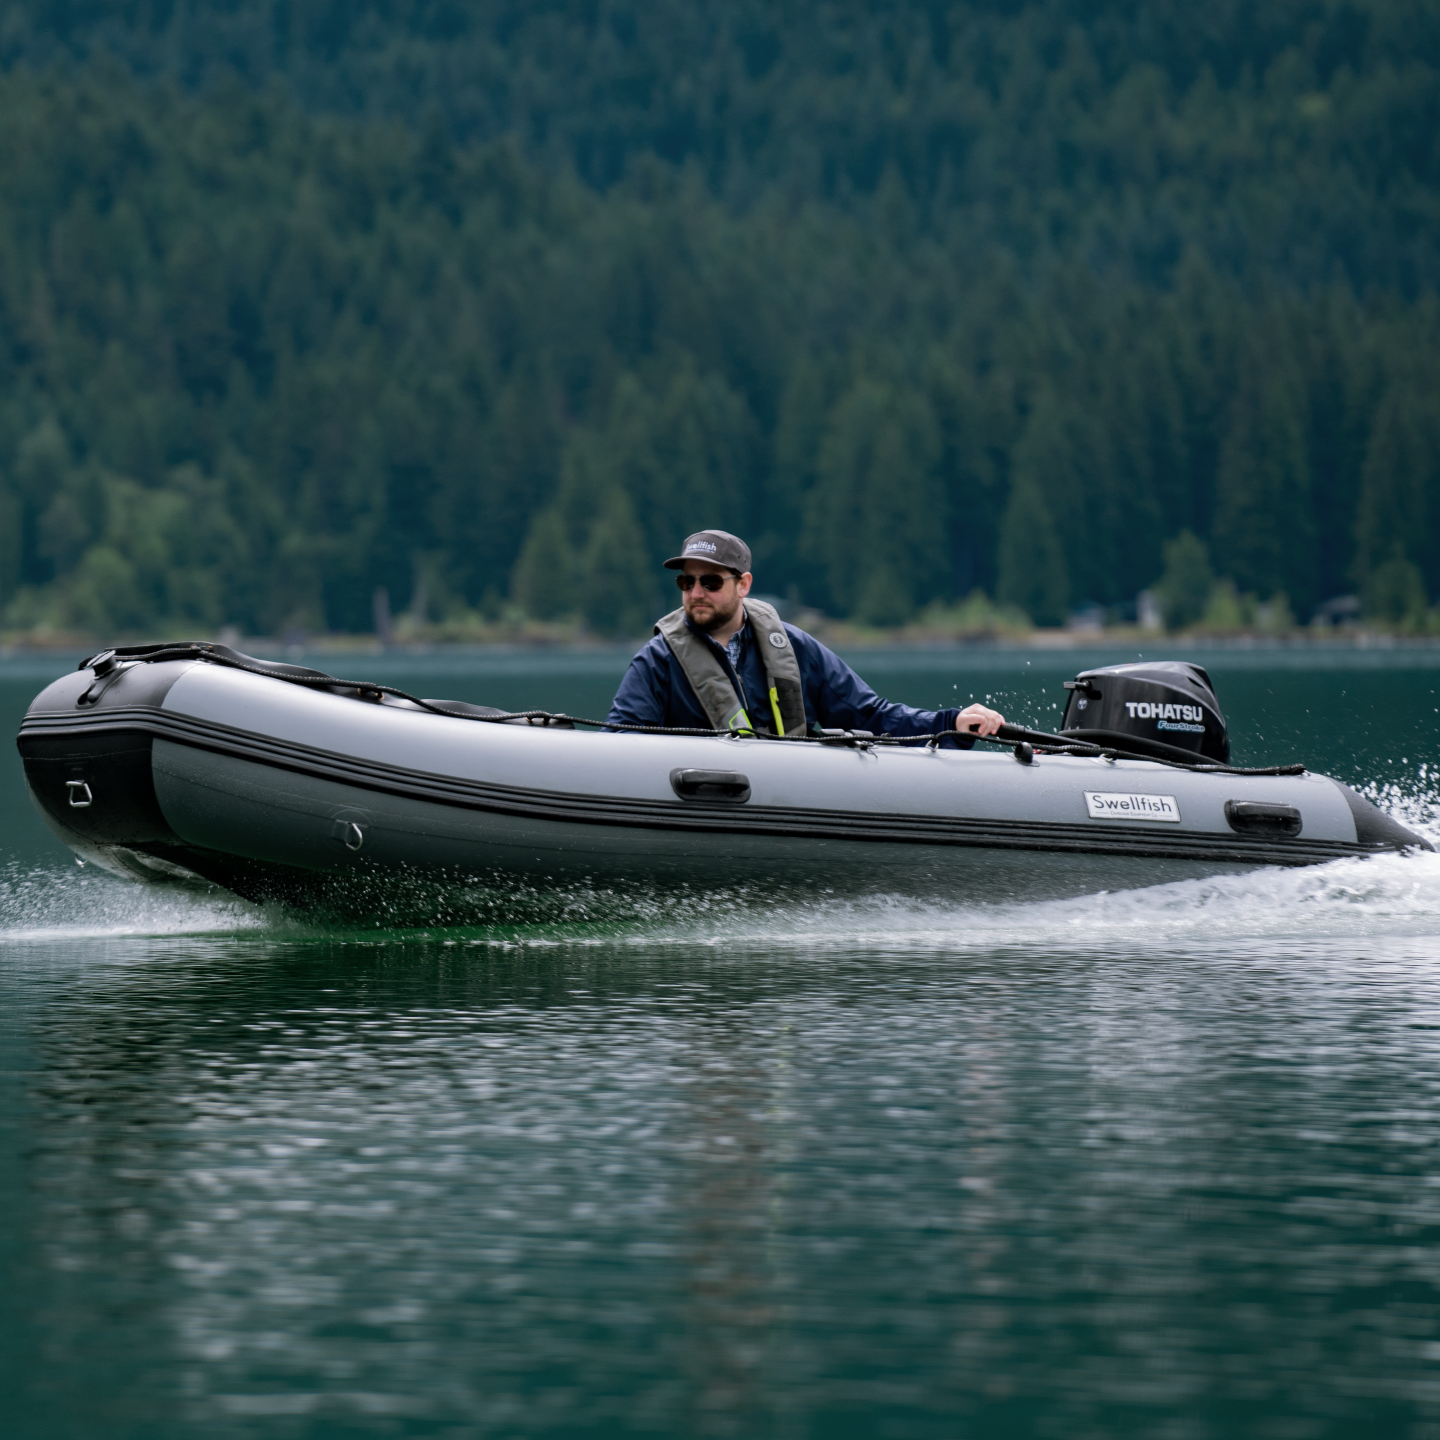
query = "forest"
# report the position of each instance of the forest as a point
(313, 310)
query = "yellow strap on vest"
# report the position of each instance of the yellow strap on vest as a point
(775, 711)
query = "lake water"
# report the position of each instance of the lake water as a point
(1163, 1163)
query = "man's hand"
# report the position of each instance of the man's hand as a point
(977, 720)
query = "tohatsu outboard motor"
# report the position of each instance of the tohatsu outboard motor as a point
(1150, 707)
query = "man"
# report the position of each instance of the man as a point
(722, 662)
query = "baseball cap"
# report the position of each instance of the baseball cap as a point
(728, 551)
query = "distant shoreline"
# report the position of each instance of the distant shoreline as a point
(837, 638)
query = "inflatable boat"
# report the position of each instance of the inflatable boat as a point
(195, 764)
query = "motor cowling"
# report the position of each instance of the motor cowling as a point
(1149, 707)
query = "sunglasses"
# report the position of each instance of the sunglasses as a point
(712, 583)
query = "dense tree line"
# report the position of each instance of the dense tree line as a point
(490, 304)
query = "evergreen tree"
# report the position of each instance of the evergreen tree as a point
(1034, 572)
(1342, 385)
(1185, 585)
(1052, 493)
(875, 520)
(1394, 593)
(799, 431)
(972, 455)
(545, 582)
(1264, 523)
(618, 590)
(1398, 516)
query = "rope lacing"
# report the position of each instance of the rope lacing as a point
(1008, 735)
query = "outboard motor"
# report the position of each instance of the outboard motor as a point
(1150, 707)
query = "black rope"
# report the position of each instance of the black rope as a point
(1048, 744)
(1044, 743)
(295, 675)
(1200, 767)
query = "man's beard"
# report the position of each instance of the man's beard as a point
(716, 618)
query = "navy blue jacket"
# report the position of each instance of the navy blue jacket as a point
(655, 691)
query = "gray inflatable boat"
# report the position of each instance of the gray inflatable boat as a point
(194, 764)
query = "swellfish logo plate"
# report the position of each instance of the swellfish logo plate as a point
(1103, 805)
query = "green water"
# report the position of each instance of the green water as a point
(1155, 1163)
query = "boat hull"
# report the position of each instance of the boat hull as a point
(191, 773)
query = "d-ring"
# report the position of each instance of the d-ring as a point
(80, 795)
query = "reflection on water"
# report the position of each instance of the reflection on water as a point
(528, 1185)
(1150, 1163)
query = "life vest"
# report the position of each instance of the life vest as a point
(711, 681)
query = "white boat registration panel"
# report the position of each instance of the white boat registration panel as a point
(1105, 806)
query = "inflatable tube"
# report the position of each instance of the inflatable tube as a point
(187, 771)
